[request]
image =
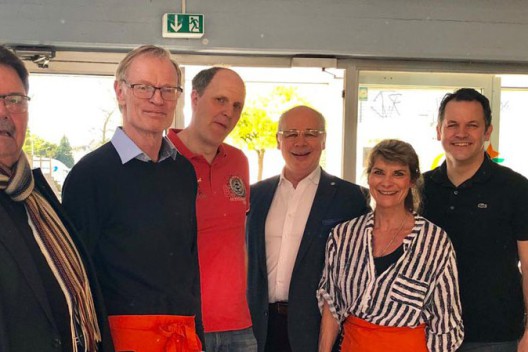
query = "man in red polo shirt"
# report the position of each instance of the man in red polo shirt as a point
(222, 171)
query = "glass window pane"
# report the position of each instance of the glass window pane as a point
(69, 116)
(408, 114)
(79, 113)
(513, 127)
(285, 88)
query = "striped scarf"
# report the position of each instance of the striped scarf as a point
(60, 252)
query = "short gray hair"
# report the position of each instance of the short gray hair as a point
(317, 113)
(151, 50)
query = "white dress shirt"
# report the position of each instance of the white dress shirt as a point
(285, 225)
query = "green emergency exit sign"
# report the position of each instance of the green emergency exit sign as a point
(183, 25)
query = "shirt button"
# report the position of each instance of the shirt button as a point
(455, 193)
(452, 207)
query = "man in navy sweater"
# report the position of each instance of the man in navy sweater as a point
(133, 201)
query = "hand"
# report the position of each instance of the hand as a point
(523, 343)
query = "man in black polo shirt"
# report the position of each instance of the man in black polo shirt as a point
(484, 209)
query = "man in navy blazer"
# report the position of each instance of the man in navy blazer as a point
(287, 227)
(50, 300)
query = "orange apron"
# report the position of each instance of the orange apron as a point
(154, 333)
(362, 336)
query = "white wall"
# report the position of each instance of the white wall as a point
(492, 30)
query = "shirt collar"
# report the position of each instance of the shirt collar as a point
(419, 222)
(483, 173)
(182, 148)
(439, 175)
(128, 150)
(314, 177)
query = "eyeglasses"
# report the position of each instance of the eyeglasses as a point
(145, 91)
(309, 133)
(15, 103)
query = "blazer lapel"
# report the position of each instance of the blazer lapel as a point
(323, 198)
(11, 237)
(262, 209)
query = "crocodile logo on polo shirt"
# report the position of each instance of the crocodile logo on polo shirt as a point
(237, 186)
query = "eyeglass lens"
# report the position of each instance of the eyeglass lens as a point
(146, 92)
(310, 133)
(15, 103)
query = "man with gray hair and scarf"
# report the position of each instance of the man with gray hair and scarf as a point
(49, 298)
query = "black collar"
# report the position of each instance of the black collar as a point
(484, 172)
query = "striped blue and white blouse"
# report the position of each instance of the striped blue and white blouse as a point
(421, 287)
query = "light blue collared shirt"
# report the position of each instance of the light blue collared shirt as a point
(128, 150)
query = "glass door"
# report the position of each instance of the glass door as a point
(404, 105)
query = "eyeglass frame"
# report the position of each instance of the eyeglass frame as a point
(132, 86)
(298, 133)
(23, 103)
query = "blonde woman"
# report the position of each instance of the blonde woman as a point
(390, 277)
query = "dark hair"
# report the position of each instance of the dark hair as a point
(8, 58)
(203, 78)
(396, 151)
(466, 94)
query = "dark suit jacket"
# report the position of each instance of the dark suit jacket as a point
(335, 201)
(26, 320)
